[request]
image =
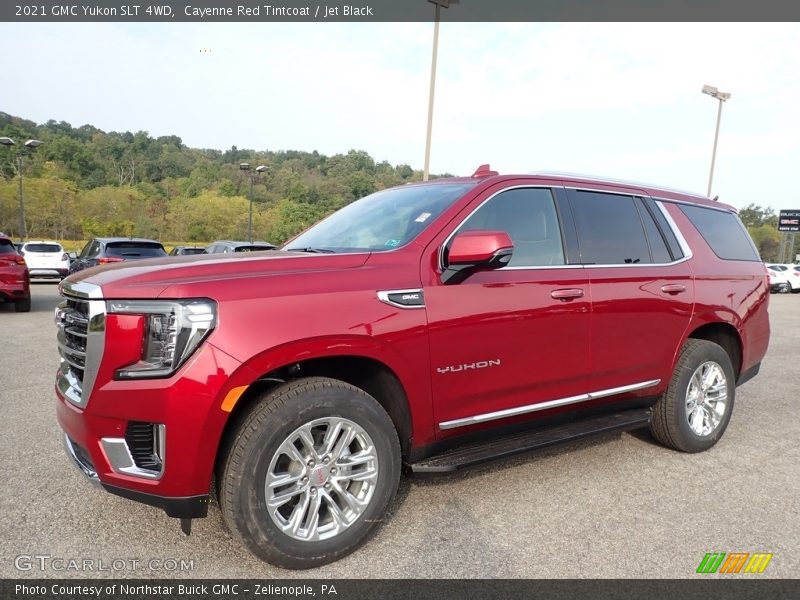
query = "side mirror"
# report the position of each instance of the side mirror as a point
(73, 255)
(477, 250)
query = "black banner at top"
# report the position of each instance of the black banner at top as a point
(367, 11)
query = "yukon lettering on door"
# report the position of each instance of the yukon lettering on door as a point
(481, 364)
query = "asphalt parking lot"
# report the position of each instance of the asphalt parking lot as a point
(616, 506)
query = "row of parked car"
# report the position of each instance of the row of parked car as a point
(101, 251)
(784, 278)
(41, 259)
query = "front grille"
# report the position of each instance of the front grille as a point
(73, 334)
(145, 443)
(81, 339)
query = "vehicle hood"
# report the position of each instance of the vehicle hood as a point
(150, 278)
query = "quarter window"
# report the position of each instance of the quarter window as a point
(610, 231)
(723, 232)
(528, 216)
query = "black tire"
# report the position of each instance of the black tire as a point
(669, 424)
(22, 305)
(262, 430)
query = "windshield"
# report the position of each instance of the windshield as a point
(381, 221)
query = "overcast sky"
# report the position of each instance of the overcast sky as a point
(621, 100)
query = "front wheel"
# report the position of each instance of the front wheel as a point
(310, 472)
(694, 411)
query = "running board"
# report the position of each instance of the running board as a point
(476, 453)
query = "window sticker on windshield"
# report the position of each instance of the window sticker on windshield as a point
(422, 218)
(392, 243)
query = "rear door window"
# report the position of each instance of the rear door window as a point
(610, 231)
(658, 246)
(723, 232)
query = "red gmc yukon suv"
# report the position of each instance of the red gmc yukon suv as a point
(429, 327)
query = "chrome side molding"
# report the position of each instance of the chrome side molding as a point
(529, 408)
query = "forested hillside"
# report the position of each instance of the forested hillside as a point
(84, 182)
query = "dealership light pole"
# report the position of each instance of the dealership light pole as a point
(30, 145)
(722, 97)
(252, 175)
(438, 4)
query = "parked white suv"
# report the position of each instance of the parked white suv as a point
(45, 259)
(790, 272)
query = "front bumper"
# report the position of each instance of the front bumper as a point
(48, 272)
(186, 405)
(780, 287)
(191, 507)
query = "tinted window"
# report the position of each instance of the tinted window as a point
(253, 248)
(666, 230)
(6, 247)
(134, 250)
(610, 231)
(723, 232)
(192, 251)
(42, 248)
(528, 216)
(658, 247)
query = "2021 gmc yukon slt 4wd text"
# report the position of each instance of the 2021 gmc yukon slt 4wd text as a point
(428, 327)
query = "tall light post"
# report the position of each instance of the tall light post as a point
(439, 4)
(722, 97)
(252, 175)
(30, 145)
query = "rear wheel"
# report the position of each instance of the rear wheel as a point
(23, 305)
(694, 411)
(310, 472)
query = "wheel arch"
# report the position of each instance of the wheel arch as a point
(725, 335)
(365, 372)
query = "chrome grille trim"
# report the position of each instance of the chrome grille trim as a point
(81, 322)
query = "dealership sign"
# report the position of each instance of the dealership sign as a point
(789, 220)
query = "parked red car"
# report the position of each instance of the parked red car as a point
(435, 325)
(14, 276)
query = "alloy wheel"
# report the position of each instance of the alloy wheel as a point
(321, 479)
(706, 398)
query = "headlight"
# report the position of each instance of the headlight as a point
(172, 332)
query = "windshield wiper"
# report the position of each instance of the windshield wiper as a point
(312, 250)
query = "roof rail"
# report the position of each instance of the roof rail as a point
(569, 175)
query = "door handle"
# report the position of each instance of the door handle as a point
(673, 288)
(567, 294)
